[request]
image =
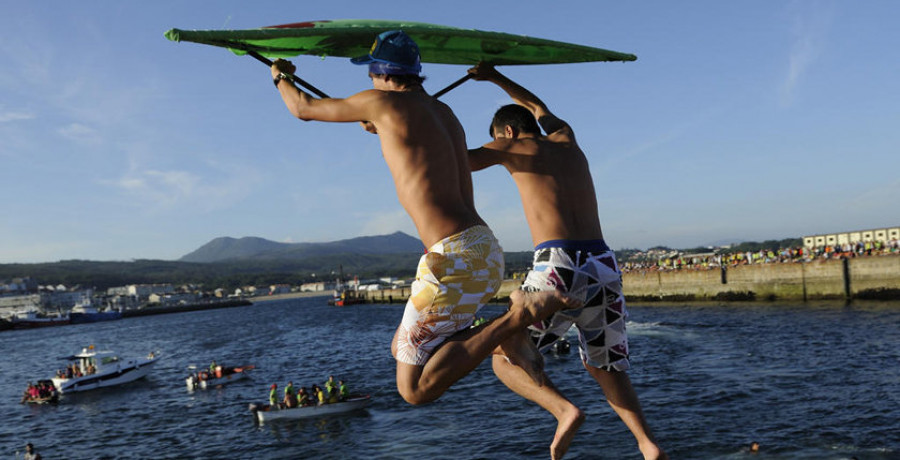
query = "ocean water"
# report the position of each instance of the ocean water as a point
(815, 381)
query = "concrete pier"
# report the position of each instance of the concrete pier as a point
(860, 277)
(872, 277)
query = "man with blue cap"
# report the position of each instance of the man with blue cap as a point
(425, 149)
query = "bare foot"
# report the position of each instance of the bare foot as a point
(537, 306)
(565, 431)
(520, 351)
(652, 452)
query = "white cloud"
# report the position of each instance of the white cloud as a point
(6, 117)
(810, 29)
(160, 190)
(182, 183)
(79, 133)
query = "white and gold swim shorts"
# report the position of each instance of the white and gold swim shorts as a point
(455, 278)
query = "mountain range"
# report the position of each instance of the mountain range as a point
(224, 249)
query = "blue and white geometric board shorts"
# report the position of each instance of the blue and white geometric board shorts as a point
(586, 270)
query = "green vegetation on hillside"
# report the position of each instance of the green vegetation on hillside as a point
(264, 272)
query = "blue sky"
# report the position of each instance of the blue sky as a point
(738, 122)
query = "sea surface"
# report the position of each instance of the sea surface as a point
(813, 381)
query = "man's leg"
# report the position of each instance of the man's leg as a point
(464, 351)
(544, 393)
(622, 398)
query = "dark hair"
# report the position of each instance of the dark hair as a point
(402, 80)
(517, 117)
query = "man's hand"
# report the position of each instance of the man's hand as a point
(282, 66)
(483, 71)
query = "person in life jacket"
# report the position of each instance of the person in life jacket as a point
(320, 395)
(290, 400)
(303, 397)
(273, 395)
(333, 395)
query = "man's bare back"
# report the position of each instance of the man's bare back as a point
(554, 182)
(425, 148)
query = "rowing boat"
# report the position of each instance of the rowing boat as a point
(265, 412)
(222, 376)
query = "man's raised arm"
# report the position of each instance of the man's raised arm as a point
(306, 107)
(521, 96)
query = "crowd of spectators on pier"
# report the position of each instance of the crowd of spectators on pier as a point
(718, 259)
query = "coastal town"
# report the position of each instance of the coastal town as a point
(25, 303)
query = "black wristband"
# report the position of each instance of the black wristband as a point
(281, 76)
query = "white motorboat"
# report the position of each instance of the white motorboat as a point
(99, 369)
(221, 376)
(266, 412)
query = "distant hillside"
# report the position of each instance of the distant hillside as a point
(259, 249)
(232, 263)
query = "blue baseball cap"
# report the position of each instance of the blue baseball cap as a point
(393, 53)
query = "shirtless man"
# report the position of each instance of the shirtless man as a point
(552, 175)
(424, 147)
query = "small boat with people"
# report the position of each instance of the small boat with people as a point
(268, 412)
(84, 311)
(41, 393)
(91, 369)
(217, 376)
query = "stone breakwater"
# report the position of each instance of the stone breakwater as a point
(854, 278)
(876, 277)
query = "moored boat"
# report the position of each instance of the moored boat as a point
(85, 312)
(221, 376)
(99, 369)
(347, 297)
(265, 412)
(343, 295)
(31, 318)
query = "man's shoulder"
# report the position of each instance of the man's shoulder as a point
(522, 146)
(562, 134)
(370, 93)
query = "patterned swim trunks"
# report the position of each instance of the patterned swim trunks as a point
(588, 271)
(455, 278)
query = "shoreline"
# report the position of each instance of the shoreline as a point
(291, 295)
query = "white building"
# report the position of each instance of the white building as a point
(279, 289)
(884, 235)
(319, 286)
(141, 291)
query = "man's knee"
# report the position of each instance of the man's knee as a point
(416, 396)
(410, 385)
